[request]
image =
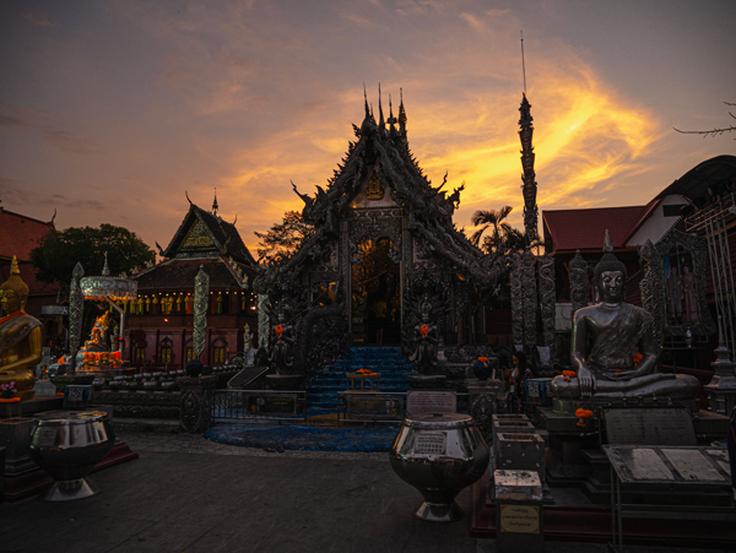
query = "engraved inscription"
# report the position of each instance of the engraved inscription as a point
(520, 519)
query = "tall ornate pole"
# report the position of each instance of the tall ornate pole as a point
(76, 305)
(528, 178)
(264, 325)
(201, 303)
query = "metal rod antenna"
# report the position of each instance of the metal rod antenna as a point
(523, 65)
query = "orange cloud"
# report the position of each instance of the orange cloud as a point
(585, 137)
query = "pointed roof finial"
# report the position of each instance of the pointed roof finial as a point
(607, 244)
(365, 101)
(215, 207)
(188, 198)
(14, 269)
(105, 267)
(380, 108)
(402, 113)
(391, 118)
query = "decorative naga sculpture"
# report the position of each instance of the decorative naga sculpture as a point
(614, 348)
(20, 335)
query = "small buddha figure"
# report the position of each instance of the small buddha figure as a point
(20, 335)
(606, 339)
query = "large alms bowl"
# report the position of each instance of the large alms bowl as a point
(439, 455)
(68, 445)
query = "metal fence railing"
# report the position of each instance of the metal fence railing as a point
(230, 405)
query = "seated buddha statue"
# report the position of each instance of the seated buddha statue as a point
(20, 335)
(607, 337)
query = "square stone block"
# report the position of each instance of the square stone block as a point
(519, 451)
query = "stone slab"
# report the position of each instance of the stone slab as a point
(655, 426)
(429, 402)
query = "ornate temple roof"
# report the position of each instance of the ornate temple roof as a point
(383, 147)
(203, 238)
(204, 234)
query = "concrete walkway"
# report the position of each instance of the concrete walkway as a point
(186, 494)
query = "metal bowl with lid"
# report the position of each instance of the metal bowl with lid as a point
(439, 454)
(68, 445)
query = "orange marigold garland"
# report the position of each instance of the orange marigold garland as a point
(583, 415)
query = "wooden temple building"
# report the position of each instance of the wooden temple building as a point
(159, 323)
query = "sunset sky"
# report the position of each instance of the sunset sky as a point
(110, 110)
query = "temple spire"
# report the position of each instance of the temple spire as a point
(528, 177)
(391, 118)
(402, 114)
(215, 207)
(381, 123)
(365, 102)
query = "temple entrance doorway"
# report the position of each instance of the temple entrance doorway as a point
(376, 294)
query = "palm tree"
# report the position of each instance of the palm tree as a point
(503, 238)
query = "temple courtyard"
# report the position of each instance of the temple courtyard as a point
(187, 494)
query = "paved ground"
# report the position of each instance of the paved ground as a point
(188, 495)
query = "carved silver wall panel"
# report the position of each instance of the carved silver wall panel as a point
(684, 266)
(264, 327)
(517, 301)
(529, 296)
(652, 287)
(201, 303)
(579, 282)
(547, 296)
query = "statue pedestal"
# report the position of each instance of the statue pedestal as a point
(721, 392)
(427, 381)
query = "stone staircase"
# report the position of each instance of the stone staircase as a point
(324, 386)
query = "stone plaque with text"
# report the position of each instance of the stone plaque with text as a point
(649, 426)
(428, 403)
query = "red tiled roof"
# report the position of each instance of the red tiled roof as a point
(20, 234)
(583, 229)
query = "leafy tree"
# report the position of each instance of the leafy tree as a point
(59, 252)
(503, 239)
(283, 239)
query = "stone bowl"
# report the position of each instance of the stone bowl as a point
(68, 445)
(439, 455)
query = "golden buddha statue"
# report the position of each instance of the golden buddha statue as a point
(20, 335)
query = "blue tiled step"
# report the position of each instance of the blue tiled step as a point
(324, 387)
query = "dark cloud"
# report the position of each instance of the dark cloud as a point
(59, 137)
(12, 121)
(38, 19)
(69, 142)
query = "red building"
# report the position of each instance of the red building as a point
(19, 235)
(159, 324)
